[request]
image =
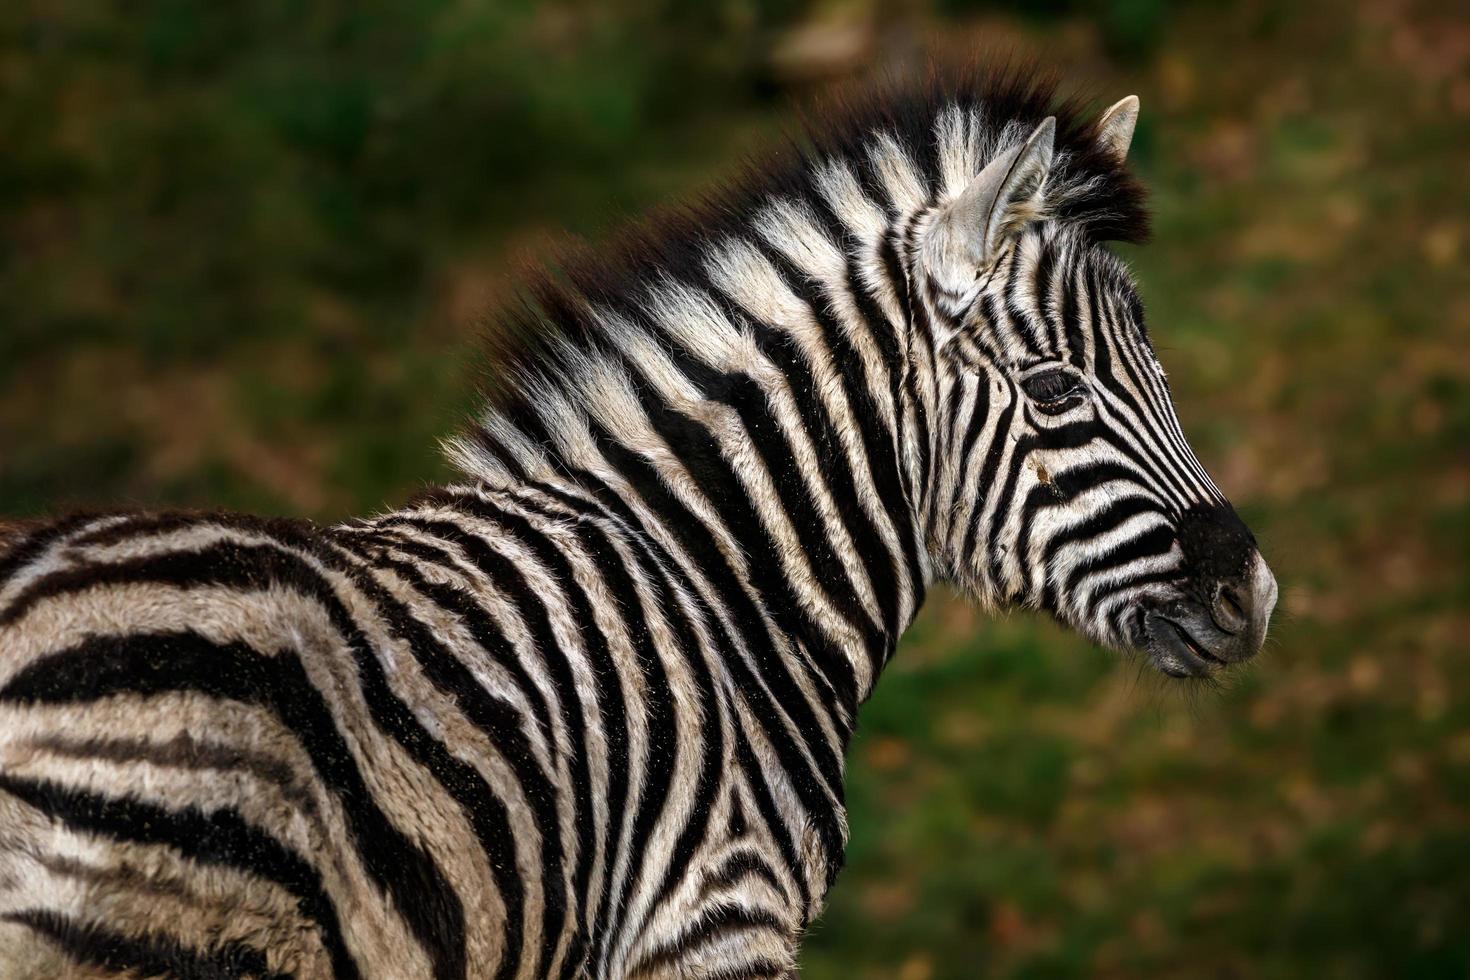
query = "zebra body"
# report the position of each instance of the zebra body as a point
(506, 664)
(584, 713)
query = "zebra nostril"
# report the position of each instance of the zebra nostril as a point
(1229, 611)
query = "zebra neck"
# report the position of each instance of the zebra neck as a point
(754, 404)
(746, 483)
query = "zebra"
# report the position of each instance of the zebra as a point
(583, 712)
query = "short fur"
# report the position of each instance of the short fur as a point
(583, 714)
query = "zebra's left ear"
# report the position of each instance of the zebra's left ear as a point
(972, 231)
(1115, 128)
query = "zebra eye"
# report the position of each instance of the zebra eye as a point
(1050, 386)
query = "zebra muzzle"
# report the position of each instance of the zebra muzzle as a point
(1189, 639)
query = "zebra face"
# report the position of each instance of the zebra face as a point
(1063, 480)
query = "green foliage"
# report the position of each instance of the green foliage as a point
(309, 147)
(1129, 28)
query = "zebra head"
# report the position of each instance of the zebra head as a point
(1061, 478)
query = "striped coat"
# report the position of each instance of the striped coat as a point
(583, 714)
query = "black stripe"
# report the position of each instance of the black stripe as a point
(657, 701)
(758, 783)
(499, 721)
(873, 187)
(901, 370)
(715, 922)
(699, 542)
(994, 450)
(612, 704)
(1157, 540)
(739, 866)
(90, 944)
(879, 444)
(621, 789)
(699, 451)
(611, 505)
(30, 545)
(221, 838)
(819, 790)
(711, 709)
(1041, 286)
(533, 612)
(1072, 320)
(434, 911)
(979, 419)
(1023, 324)
(658, 704)
(714, 711)
(1040, 437)
(137, 525)
(1108, 335)
(1044, 497)
(837, 467)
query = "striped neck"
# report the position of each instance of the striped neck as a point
(749, 415)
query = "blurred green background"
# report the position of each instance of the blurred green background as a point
(246, 251)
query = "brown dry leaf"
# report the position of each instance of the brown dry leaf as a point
(916, 967)
(888, 901)
(887, 753)
(1007, 926)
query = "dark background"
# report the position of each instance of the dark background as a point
(246, 249)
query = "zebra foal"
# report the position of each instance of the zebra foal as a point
(583, 713)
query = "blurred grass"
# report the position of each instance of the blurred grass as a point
(246, 253)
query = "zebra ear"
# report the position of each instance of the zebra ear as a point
(1115, 128)
(972, 231)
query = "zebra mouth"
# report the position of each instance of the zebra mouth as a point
(1176, 652)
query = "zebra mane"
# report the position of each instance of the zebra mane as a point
(560, 316)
